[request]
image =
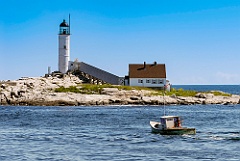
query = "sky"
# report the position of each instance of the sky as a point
(197, 40)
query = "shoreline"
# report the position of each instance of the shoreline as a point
(122, 102)
(39, 91)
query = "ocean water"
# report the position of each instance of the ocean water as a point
(117, 133)
(232, 89)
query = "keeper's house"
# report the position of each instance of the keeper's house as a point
(147, 75)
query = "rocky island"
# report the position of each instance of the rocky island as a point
(42, 91)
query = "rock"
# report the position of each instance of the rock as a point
(155, 102)
(3, 86)
(200, 95)
(13, 94)
(110, 91)
(134, 98)
(40, 91)
(209, 95)
(226, 103)
(117, 101)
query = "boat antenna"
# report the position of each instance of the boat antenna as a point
(69, 23)
(164, 110)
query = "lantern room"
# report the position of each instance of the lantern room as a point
(64, 28)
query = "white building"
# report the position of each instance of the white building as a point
(147, 75)
(63, 47)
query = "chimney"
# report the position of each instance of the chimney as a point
(155, 63)
(144, 64)
(49, 70)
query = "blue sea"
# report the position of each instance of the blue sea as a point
(118, 133)
(232, 89)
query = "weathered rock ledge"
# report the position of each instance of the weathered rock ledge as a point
(40, 92)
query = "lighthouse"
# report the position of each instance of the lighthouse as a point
(64, 46)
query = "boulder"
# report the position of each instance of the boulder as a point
(110, 91)
(209, 95)
(134, 98)
(201, 95)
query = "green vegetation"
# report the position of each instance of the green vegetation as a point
(191, 93)
(92, 89)
(73, 89)
(181, 92)
(176, 92)
(86, 89)
(219, 93)
(187, 93)
(97, 89)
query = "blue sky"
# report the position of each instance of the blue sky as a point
(198, 40)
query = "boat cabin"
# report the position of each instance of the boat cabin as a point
(170, 122)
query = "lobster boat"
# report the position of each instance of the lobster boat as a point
(171, 125)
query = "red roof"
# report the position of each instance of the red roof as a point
(147, 70)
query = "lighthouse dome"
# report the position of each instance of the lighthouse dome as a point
(64, 24)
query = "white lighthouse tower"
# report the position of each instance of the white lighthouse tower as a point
(64, 46)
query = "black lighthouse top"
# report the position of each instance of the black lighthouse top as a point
(64, 28)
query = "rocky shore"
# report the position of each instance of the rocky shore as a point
(39, 91)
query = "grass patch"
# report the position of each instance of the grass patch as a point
(73, 89)
(187, 93)
(176, 92)
(182, 92)
(219, 93)
(84, 89)
(97, 89)
(92, 89)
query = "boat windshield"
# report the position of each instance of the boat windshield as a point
(163, 122)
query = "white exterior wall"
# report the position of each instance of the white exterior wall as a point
(64, 53)
(136, 82)
(170, 124)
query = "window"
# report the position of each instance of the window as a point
(65, 47)
(148, 81)
(154, 81)
(140, 81)
(160, 81)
